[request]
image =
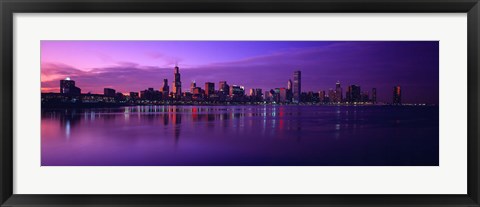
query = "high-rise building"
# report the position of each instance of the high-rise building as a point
(282, 95)
(271, 95)
(297, 86)
(109, 92)
(266, 95)
(209, 89)
(223, 88)
(338, 93)
(68, 87)
(353, 94)
(374, 95)
(321, 96)
(192, 86)
(289, 90)
(276, 95)
(197, 93)
(397, 95)
(331, 95)
(237, 91)
(165, 88)
(177, 84)
(258, 94)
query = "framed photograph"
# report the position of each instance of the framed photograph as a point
(239, 103)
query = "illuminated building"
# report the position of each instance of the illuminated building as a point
(374, 95)
(237, 91)
(397, 95)
(297, 86)
(177, 84)
(209, 89)
(197, 93)
(256, 94)
(223, 88)
(68, 87)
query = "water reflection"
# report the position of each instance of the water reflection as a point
(241, 135)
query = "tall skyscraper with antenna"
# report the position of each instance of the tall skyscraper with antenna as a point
(177, 84)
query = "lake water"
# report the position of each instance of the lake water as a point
(241, 136)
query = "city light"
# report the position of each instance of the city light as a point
(227, 94)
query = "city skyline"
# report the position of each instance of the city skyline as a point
(69, 93)
(420, 78)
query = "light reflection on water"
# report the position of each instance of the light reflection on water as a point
(240, 136)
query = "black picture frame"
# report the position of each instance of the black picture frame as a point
(10, 7)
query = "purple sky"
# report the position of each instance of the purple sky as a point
(136, 65)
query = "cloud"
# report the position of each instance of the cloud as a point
(382, 65)
(165, 59)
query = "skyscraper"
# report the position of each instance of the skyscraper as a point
(223, 87)
(282, 95)
(192, 86)
(68, 87)
(374, 95)
(331, 96)
(165, 88)
(289, 90)
(209, 88)
(353, 94)
(266, 95)
(297, 86)
(397, 95)
(258, 94)
(177, 84)
(338, 92)
(237, 91)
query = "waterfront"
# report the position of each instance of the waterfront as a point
(265, 135)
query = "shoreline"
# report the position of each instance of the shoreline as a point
(87, 106)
